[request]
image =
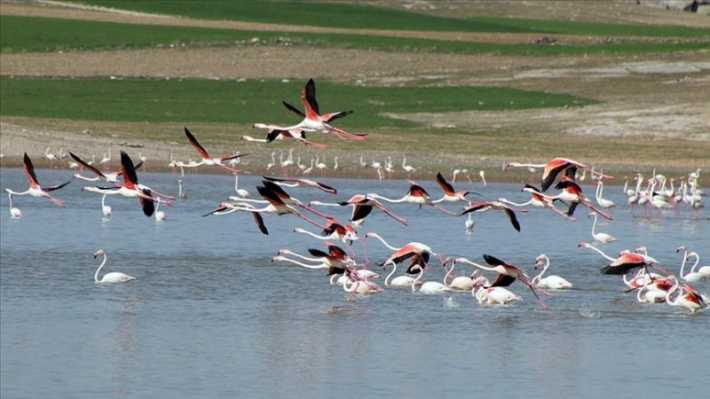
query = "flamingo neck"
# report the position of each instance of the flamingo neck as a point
(394, 269)
(96, 275)
(416, 280)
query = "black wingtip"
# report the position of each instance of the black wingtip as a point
(492, 260)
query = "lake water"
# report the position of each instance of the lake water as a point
(210, 315)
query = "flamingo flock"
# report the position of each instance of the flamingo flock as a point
(337, 232)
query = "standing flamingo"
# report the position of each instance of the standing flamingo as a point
(691, 299)
(15, 213)
(599, 237)
(35, 190)
(552, 282)
(105, 209)
(113, 277)
(603, 202)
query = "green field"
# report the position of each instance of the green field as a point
(23, 34)
(210, 101)
(364, 16)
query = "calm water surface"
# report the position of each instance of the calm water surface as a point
(211, 316)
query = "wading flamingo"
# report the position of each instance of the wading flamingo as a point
(113, 277)
(552, 282)
(599, 237)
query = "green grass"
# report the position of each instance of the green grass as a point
(22, 34)
(184, 101)
(366, 16)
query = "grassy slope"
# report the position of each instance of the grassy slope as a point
(212, 101)
(22, 34)
(365, 16)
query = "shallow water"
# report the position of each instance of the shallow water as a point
(210, 315)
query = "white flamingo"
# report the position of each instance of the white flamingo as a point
(105, 209)
(599, 237)
(15, 213)
(113, 277)
(552, 282)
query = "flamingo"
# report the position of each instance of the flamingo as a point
(703, 270)
(494, 295)
(130, 187)
(603, 202)
(332, 271)
(484, 206)
(113, 277)
(468, 224)
(416, 195)
(407, 168)
(449, 194)
(429, 287)
(362, 206)
(507, 274)
(599, 237)
(692, 276)
(553, 282)
(35, 190)
(321, 166)
(280, 133)
(100, 176)
(401, 281)
(206, 159)
(106, 159)
(691, 299)
(15, 213)
(159, 215)
(538, 200)
(554, 167)
(240, 191)
(276, 205)
(460, 283)
(572, 192)
(50, 157)
(313, 121)
(482, 174)
(105, 209)
(295, 182)
(287, 199)
(334, 231)
(624, 263)
(181, 194)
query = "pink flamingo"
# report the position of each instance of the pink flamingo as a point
(35, 190)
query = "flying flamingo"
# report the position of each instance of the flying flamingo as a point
(332, 271)
(416, 195)
(494, 206)
(130, 187)
(295, 182)
(276, 205)
(280, 133)
(572, 192)
(449, 194)
(507, 274)
(599, 237)
(552, 282)
(206, 159)
(313, 121)
(362, 206)
(625, 263)
(15, 213)
(35, 190)
(287, 199)
(538, 200)
(111, 177)
(554, 167)
(334, 231)
(113, 277)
